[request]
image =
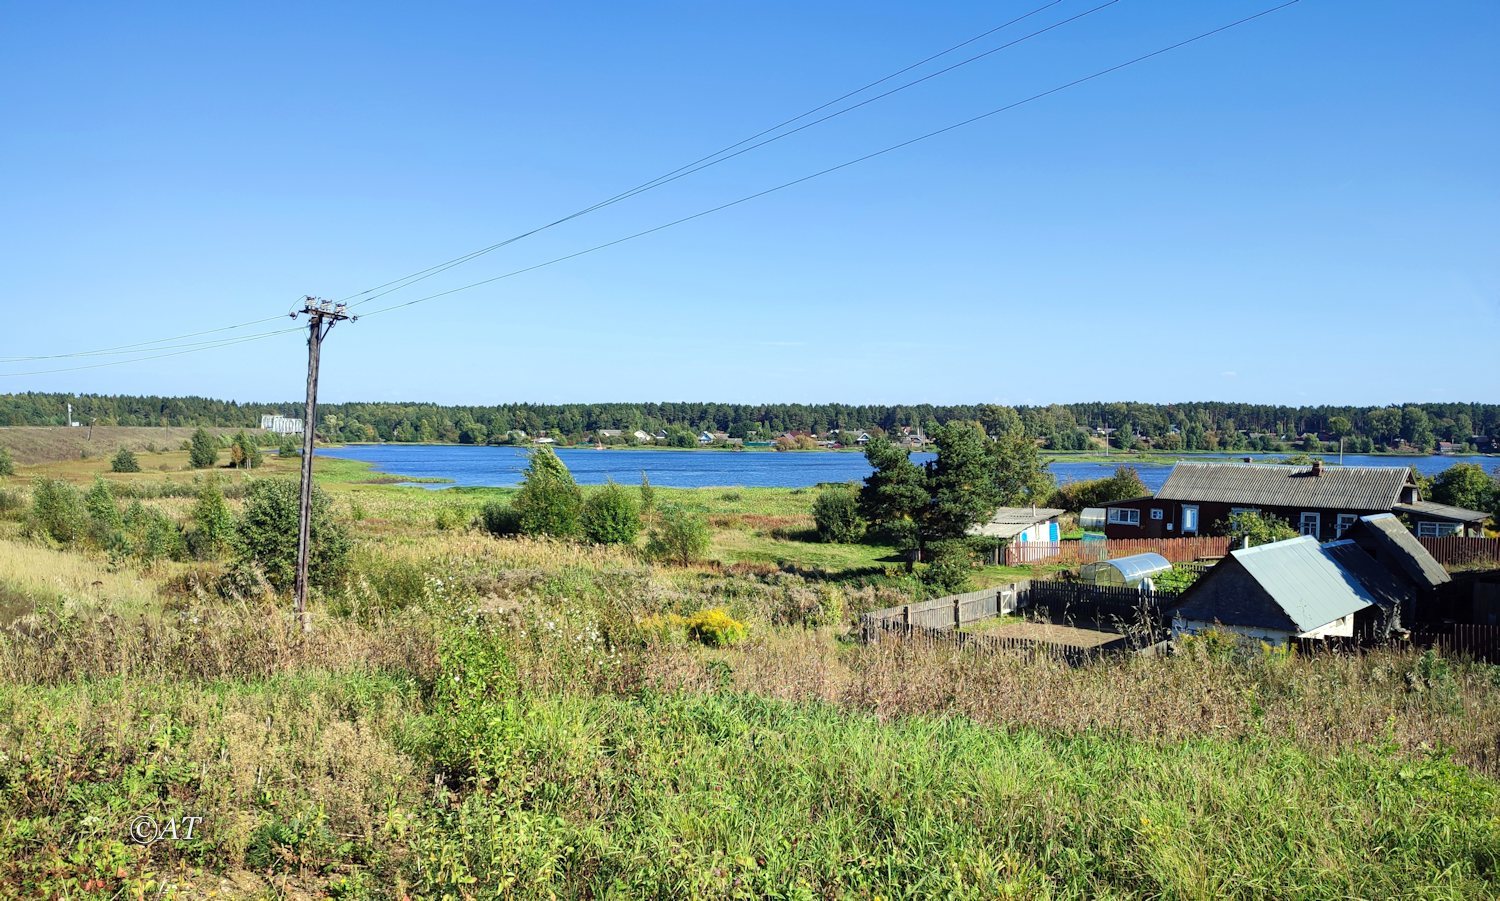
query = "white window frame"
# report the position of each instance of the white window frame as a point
(1234, 510)
(1317, 523)
(1195, 519)
(1124, 516)
(1156, 513)
(1437, 529)
(1342, 523)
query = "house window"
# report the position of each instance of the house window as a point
(1124, 516)
(1234, 510)
(1156, 513)
(1436, 529)
(1311, 524)
(1342, 524)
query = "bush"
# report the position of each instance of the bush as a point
(1259, 528)
(549, 501)
(106, 526)
(57, 511)
(836, 512)
(715, 627)
(611, 516)
(153, 535)
(213, 524)
(950, 570)
(7, 463)
(10, 501)
(267, 534)
(648, 494)
(125, 461)
(679, 536)
(500, 519)
(1123, 485)
(203, 451)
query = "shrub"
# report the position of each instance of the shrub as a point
(203, 451)
(288, 446)
(106, 526)
(7, 463)
(648, 494)
(549, 501)
(500, 519)
(10, 501)
(836, 512)
(950, 570)
(611, 516)
(213, 524)
(125, 461)
(153, 535)
(679, 536)
(1258, 527)
(267, 534)
(57, 511)
(1123, 485)
(715, 627)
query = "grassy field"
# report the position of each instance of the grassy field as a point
(482, 717)
(54, 444)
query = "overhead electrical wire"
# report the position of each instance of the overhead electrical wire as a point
(739, 147)
(679, 172)
(844, 165)
(201, 346)
(196, 347)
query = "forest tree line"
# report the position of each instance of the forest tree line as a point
(1195, 425)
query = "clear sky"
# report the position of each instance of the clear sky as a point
(1304, 209)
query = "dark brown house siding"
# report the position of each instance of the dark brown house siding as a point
(1213, 519)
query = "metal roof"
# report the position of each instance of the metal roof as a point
(1305, 581)
(1008, 522)
(1280, 485)
(1389, 591)
(1442, 511)
(1388, 541)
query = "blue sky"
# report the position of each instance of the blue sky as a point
(1304, 209)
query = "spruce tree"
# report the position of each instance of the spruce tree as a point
(549, 501)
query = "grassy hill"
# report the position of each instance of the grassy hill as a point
(30, 445)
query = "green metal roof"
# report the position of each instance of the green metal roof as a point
(1305, 581)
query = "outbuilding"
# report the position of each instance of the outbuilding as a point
(1275, 592)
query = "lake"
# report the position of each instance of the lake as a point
(472, 466)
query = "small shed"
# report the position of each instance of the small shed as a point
(1092, 519)
(1124, 572)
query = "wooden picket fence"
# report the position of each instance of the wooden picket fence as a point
(1073, 551)
(1455, 551)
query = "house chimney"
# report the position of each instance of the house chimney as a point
(1317, 467)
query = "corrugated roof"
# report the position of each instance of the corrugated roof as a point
(1388, 541)
(1279, 485)
(1389, 591)
(1442, 511)
(1008, 522)
(1305, 581)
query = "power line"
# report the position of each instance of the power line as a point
(712, 159)
(846, 164)
(733, 150)
(143, 345)
(206, 345)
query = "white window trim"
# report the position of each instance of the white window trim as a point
(1317, 524)
(1342, 523)
(1124, 516)
(1437, 529)
(1156, 513)
(1234, 510)
(1195, 519)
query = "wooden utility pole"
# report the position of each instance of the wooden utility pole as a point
(321, 315)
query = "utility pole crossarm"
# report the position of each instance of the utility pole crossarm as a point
(321, 315)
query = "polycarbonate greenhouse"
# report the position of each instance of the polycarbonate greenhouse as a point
(1124, 572)
(1092, 519)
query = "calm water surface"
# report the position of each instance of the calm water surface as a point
(502, 466)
